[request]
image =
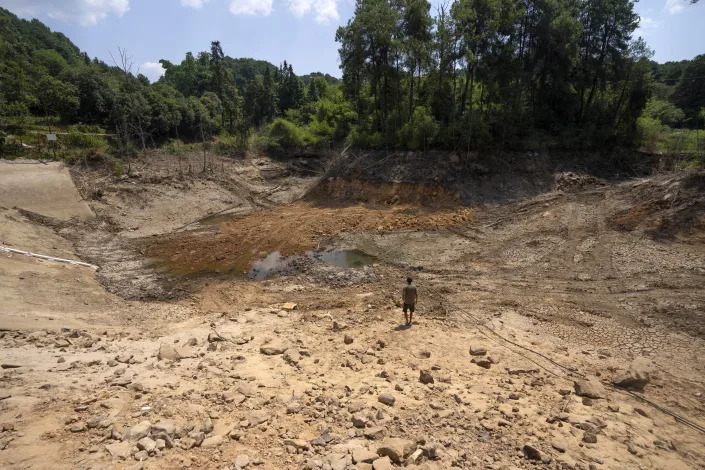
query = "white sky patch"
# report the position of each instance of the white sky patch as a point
(85, 12)
(645, 23)
(674, 6)
(326, 10)
(152, 70)
(193, 3)
(251, 7)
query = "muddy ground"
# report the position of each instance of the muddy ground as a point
(530, 309)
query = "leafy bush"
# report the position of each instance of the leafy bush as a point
(664, 111)
(420, 130)
(118, 167)
(650, 132)
(175, 147)
(83, 141)
(285, 134)
(231, 145)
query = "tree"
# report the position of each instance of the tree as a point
(689, 94)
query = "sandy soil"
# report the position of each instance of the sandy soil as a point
(45, 188)
(229, 377)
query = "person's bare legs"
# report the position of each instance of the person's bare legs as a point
(411, 316)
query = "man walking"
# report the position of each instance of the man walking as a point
(409, 296)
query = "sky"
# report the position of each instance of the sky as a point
(302, 32)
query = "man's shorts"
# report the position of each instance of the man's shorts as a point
(410, 307)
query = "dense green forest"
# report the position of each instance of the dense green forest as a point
(473, 75)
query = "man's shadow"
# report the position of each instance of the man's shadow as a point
(402, 327)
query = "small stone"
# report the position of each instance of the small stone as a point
(348, 339)
(477, 351)
(613, 408)
(375, 433)
(78, 427)
(242, 461)
(168, 353)
(298, 444)
(531, 452)
(119, 450)
(387, 399)
(146, 444)
(138, 431)
(167, 427)
(558, 445)
(396, 449)
(213, 441)
(362, 455)
(425, 377)
(273, 349)
(587, 401)
(591, 388)
(483, 362)
(293, 407)
(590, 437)
(382, 464)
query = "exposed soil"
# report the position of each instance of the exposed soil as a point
(594, 280)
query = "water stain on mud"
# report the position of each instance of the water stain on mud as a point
(272, 264)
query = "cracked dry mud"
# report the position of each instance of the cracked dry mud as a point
(226, 377)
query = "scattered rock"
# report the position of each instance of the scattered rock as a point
(591, 388)
(213, 441)
(138, 431)
(298, 444)
(382, 464)
(78, 427)
(168, 353)
(483, 362)
(425, 377)
(590, 437)
(559, 445)
(375, 433)
(273, 349)
(387, 399)
(396, 449)
(119, 450)
(636, 377)
(362, 455)
(242, 460)
(348, 339)
(146, 444)
(167, 427)
(478, 351)
(531, 452)
(324, 439)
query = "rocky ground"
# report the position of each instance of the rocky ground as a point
(541, 325)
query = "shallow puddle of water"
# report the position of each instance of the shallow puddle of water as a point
(345, 258)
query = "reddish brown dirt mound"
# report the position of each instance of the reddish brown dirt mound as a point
(339, 189)
(290, 229)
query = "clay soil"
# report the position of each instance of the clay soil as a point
(313, 369)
